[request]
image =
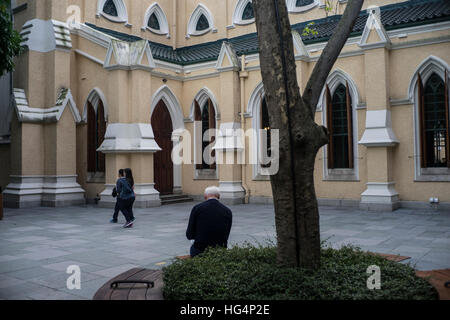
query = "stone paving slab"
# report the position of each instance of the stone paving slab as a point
(37, 245)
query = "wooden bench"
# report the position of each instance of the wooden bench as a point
(438, 279)
(134, 284)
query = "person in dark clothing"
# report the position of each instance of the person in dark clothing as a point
(130, 179)
(115, 195)
(209, 224)
(126, 197)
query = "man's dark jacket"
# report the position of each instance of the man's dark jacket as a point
(209, 224)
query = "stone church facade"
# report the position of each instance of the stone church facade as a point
(110, 84)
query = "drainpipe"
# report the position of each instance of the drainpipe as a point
(243, 75)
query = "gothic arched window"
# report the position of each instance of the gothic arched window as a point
(200, 22)
(96, 134)
(207, 116)
(244, 13)
(113, 10)
(339, 123)
(434, 122)
(155, 20)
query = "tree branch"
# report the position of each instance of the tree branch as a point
(330, 54)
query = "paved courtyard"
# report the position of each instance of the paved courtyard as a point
(37, 245)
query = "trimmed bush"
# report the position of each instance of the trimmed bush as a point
(252, 273)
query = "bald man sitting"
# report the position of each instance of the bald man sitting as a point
(209, 223)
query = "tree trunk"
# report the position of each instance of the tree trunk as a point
(296, 209)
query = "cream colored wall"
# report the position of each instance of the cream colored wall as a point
(43, 9)
(60, 145)
(403, 162)
(404, 63)
(136, 12)
(335, 189)
(32, 159)
(222, 12)
(189, 91)
(81, 158)
(129, 94)
(66, 144)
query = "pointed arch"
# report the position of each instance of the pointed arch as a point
(432, 65)
(173, 105)
(255, 100)
(255, 111)
(238, 16)
(336, 80)
(122, 14)
(197, 14)
(156, 9)
(95, 114)
(94, 97)
(426, 68)
(202, 97)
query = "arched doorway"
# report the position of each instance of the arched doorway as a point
(162, 162)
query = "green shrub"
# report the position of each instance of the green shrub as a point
(252, 273)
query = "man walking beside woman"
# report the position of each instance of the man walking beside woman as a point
(125, 197)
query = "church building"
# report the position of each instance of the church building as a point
(110, 84)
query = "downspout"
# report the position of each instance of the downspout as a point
(243, 75)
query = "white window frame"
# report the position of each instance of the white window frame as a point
(429, 66)
(122, 15)
(238, 12)
(254, 111)
(196, 14)
(94, 97)
(162, 19)
(202, 97)
(336, 78)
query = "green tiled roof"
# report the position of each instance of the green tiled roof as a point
(394, 16)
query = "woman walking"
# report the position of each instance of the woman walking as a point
(126, 196)
(116, 195)
(130, 180)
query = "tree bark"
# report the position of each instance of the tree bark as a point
(295, 202)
